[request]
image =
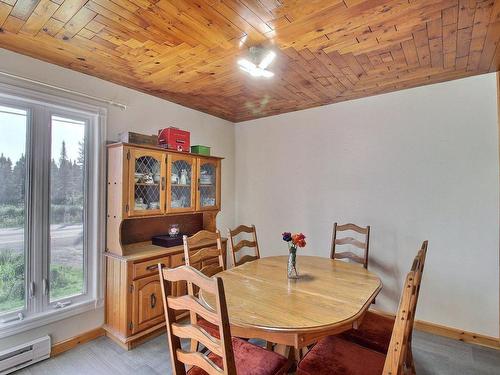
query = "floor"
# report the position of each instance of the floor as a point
(433, 355)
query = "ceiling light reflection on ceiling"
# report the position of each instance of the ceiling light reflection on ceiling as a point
(260, 69)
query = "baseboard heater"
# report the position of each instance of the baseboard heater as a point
(24, 355)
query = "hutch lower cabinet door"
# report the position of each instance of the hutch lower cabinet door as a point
(147, 305)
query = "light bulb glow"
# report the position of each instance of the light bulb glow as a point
(267, 60)
(258, 71)
(247, 64)
(267, 73)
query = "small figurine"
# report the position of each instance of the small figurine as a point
(184, 177)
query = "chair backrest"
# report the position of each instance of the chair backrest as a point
(336, 241)
(419, 270)
(237, 246)
(187, 330)
(202, 257)
(398, 346)
(399, 354)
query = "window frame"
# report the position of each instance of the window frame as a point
(41, 106)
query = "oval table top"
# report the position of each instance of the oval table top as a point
(328, 293)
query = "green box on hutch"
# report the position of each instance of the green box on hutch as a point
(201, 150)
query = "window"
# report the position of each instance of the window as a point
(50, 232)
(13, 127)
(67, 196)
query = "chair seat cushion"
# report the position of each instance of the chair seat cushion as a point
(374, 332)
(211, 328)
(335, 356)
(250, 359)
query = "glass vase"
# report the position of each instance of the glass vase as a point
(292, 263)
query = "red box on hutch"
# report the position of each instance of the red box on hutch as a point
(174, 139)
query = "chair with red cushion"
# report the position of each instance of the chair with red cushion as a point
(250, 359)
(202, 259)
(375, 331)
(228, 355)
(336, 356)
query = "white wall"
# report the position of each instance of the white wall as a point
(145, 114)
(415, 164)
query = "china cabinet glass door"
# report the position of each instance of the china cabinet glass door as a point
(147, 182)
(181, 172)
(208, 194)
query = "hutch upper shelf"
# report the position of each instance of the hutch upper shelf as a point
(161, 182)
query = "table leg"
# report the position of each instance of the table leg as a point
(282, 349)
(292, 353)
(297, 353)
(304, 351)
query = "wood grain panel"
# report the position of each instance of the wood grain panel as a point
(186, 51)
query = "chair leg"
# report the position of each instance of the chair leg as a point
(410, 365)
(269, 345)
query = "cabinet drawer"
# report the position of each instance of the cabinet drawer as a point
(149, 267)
(177, 260)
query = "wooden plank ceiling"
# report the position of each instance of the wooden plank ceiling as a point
(328, 50)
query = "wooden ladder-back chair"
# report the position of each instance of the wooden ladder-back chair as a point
(236, 247)
(176, 330)
(419, 271)
(398, 348)
(203, 260)
(333, 355)
(336, 241)
(376, 329)
(228, 356)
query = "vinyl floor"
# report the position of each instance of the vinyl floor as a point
(433, 355)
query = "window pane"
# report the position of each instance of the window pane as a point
(13, 124)
(181, 184)
(147, 183)
(208, 184)
(67, 178)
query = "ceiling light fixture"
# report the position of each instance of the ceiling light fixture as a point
(258, 69)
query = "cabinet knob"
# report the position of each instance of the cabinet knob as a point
(153, 300)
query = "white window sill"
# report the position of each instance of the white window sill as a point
(39, 320)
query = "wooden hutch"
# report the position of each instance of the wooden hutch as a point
(148, 189)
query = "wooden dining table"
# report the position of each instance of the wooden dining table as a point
(330, 297)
